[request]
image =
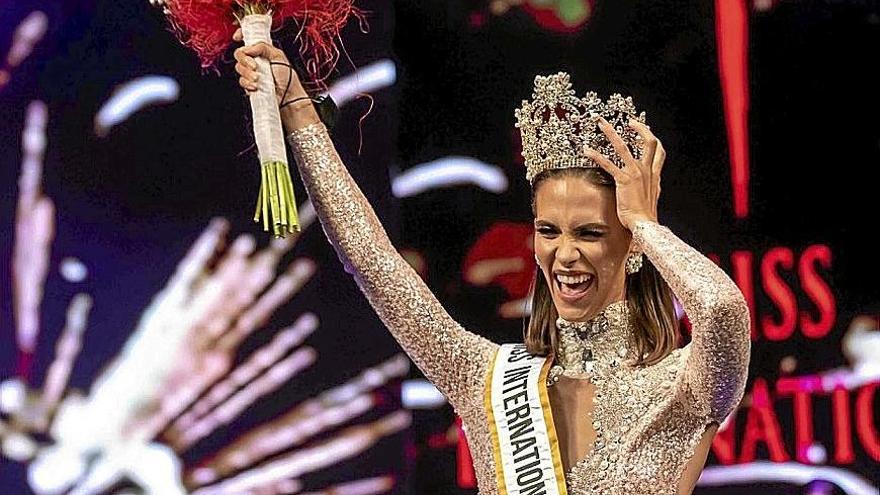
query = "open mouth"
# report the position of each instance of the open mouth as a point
(573, 287)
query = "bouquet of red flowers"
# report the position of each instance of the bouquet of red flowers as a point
(207, 26)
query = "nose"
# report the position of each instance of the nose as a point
(567, 252)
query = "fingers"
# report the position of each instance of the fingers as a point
(244, 58)
(238, 36)
(606, 164)
(659, 160)
(656, 168)
(248, 79)
(247, 84)
(616, 141)
(651, 142)
(247, 54)
(260, 49)
(653, 159)
(246, 67)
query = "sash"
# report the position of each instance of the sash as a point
(524, 442)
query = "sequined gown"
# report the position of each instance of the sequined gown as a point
(647, 420)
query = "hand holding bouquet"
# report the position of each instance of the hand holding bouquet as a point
(208, 26)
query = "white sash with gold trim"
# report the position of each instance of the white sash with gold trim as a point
(527, 460)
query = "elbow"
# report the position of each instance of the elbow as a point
(730, 311)
(735, 313)
(732, 324)
(720, 353)
(728, 392)
(725, 401)
(729, 352)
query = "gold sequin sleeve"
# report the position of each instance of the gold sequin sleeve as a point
(454, 359)
(713, 378)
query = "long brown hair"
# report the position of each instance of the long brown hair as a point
(648, 298)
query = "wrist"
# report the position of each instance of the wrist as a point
(633, 221)
(298, 114)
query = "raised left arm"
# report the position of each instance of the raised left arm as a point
(716, 368)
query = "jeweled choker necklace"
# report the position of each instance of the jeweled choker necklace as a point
(577, 344)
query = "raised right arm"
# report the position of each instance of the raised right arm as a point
(454, 359)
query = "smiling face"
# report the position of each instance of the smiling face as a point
(580, 244)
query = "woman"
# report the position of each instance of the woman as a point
(621, 409)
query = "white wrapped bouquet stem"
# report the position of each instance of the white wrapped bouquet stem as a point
(276, 206)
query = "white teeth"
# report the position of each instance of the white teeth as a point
(565, 279)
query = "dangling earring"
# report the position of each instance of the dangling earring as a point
(633, 263)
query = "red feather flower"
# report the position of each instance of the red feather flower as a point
(207, 26)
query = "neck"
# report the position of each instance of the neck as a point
(603, 337)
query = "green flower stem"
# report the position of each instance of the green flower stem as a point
(276, 205)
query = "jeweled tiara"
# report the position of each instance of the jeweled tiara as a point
(556, 125)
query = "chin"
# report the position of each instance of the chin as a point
(569, 313)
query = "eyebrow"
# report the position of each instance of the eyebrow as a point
(591, 225)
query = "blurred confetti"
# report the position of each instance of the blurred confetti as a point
(178, 378)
